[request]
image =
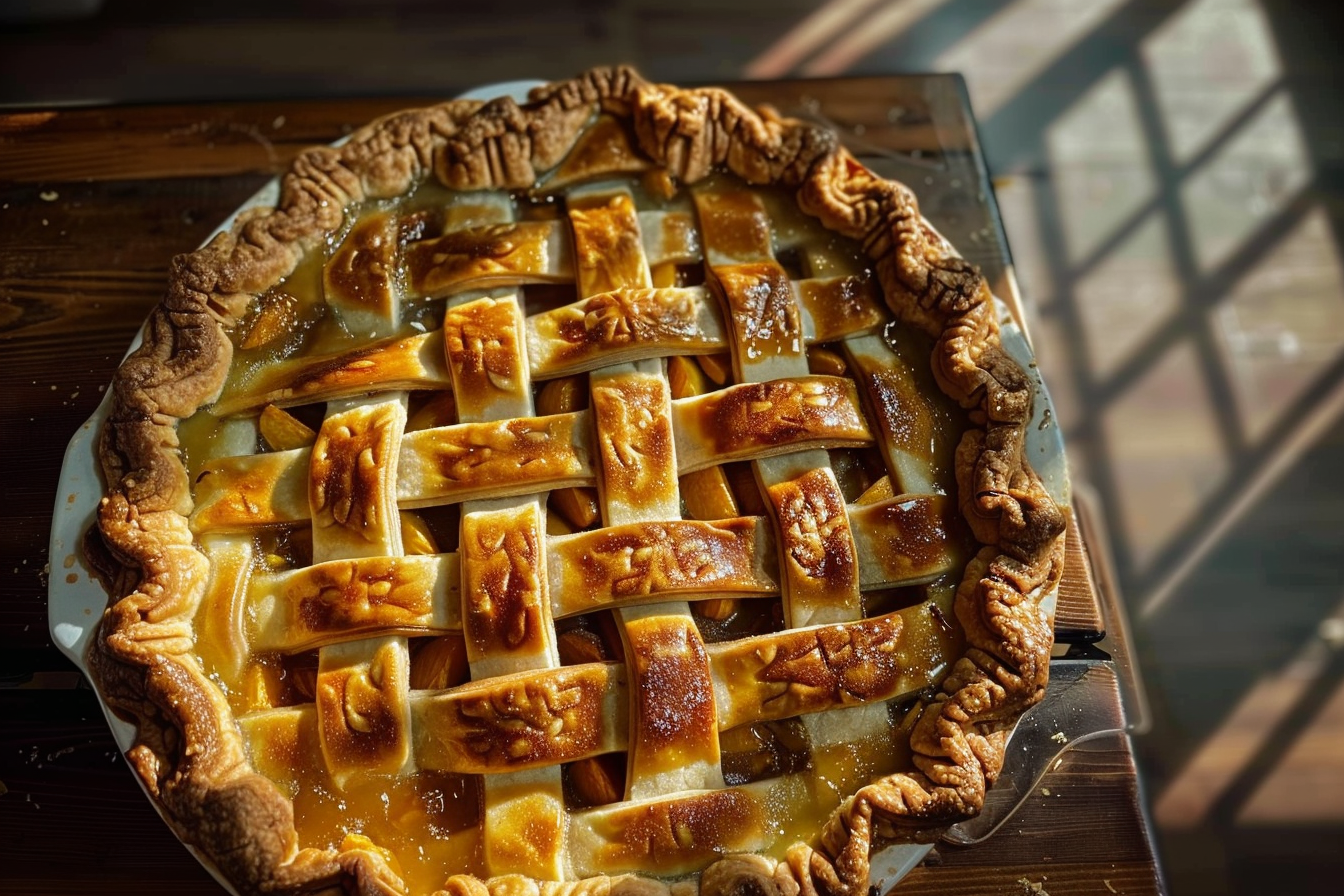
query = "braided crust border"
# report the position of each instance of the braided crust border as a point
(191, 757)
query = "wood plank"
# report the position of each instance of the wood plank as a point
(1036, 879)
(74, 817)
(78, 275)
(173, 141)
(202, 140)
(112, 227)
(901, 116)
(1078, 614)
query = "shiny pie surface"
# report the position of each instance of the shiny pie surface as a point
(613, 489)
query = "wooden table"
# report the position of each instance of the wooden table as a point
(94, 203)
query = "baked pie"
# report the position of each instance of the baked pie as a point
(620, 491)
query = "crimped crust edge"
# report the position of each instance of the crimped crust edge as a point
(193, 762)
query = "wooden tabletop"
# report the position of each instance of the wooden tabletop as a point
(93, 205)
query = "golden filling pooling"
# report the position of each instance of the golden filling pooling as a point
(633, 441)
(605, 527)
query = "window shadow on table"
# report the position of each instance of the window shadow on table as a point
(1169, 178)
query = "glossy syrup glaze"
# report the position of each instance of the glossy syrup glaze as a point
(429, 820)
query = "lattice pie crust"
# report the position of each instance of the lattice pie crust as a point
(627, 345)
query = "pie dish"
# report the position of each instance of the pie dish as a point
(625, 490)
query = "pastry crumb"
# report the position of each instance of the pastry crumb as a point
(1032, 887)
(1059, 737)
(1045, 791)
(49, 195)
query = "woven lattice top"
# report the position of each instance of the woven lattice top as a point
(583, 514)
(639, 436)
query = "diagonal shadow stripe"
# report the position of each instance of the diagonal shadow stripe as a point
(1180, 173)
(1222, 500)
(1305, 710)
(1190, 320)
(1013, 133)
(916, 48)
(1200, 295)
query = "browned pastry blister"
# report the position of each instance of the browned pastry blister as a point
(191, 753)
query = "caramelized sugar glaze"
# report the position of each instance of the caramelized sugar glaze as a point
(429, 820)
(747, 592)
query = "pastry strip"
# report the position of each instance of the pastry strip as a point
(506, 612)
(674, 742)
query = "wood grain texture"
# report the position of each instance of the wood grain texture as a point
(152, 142)
(1078, 617)
(93, 205)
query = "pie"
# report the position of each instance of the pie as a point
(619, 492)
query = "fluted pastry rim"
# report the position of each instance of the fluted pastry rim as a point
(187, 752)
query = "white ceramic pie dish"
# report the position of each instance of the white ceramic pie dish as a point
(76, 599)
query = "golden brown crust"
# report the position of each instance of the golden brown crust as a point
(636, 560)
(524, 720)
(194, 764)
(188, 757)
(750, 418)
(817, 547)
(505, 596)
(694, 132)
(634, 439)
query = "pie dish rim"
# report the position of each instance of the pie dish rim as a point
(71, 602)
